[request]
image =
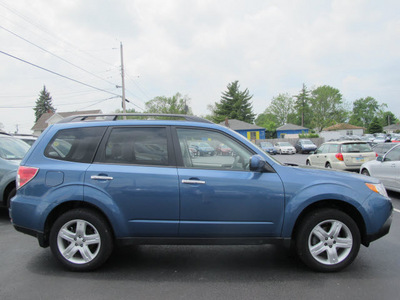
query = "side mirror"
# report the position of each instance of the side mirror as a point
(257, 163)
(313, 152)
(379, 158)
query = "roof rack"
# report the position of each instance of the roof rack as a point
(119, 116)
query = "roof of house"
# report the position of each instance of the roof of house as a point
(289, 126)
(342, 126)
(41, 124)
(392, 127)
(240, 125)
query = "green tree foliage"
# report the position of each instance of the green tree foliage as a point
(375, 126)
(176, 104)
(267, 120)
(327, 107)
(364, 110)
(302, 107)
(388, 118)
(234, 104)
(282, 107)
(43, 104)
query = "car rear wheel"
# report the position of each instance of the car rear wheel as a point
(308, 163)
(81, 240)
(328, 165)
(328, 240)
(11, 194)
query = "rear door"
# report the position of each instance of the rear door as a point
(220, 196)
(135, 172)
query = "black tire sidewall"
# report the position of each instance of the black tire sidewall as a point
(308, 224)
(101, 226)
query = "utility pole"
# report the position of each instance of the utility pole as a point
(123, 82)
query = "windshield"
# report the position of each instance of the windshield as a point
(285, 144)
(12, 148)
(307, 143)
(266, 144)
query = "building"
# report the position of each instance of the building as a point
(290, 131)
(394, 128)
(250, 131)
(341, 129)
(51, 118)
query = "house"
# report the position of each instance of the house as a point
(341, 129)
(250, 131)
(51, 118)
(394, 128)
(290, 131)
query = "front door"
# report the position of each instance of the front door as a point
(220, 196)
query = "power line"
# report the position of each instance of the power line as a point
(58, 74)
(55, 55)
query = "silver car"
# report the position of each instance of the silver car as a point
(342, 155)
(386, 168)
(284, 148)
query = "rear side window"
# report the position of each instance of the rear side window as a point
(75, 144)
(137, 145)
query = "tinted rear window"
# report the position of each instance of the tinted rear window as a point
(75, 144)
(356, 148)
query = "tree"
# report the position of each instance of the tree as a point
(388, 118)
(234, 104)
(169, 105)
(43, 104)
(375, 126)
(282, 107)
(364, 110)
(302, 106)
(267, 120)
(327, 107)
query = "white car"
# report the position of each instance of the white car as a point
(386, 168)
(342, 155)
(284, 148)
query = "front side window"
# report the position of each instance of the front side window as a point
(75, 144)
(208, 149)
(137, 145)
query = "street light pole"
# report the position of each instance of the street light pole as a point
(123, 82)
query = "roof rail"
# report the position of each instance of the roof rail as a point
(119, 116)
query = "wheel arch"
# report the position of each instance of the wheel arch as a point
(10, 186)
(345, 207)
(67, 206)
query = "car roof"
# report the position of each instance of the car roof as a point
(347, 142)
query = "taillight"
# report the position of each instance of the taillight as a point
(25, 174)
(339, 156)
(376, 154)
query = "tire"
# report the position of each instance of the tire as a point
(308, 163)
(365, 172)
(77, 249)
(9, 196)
(328, 240)
(328, 165)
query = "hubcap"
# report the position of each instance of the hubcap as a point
(330, 242)
(78, 241)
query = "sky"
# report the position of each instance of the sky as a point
(195, 48)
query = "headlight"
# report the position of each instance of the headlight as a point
(378, 188)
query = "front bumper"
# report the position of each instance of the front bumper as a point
(383, 231)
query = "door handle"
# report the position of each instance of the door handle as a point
(193, 181)
(98, 177)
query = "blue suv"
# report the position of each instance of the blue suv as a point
(92, 182)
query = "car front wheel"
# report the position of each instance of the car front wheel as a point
(81, 240)
(328, 240)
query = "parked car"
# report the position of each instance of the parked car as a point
(27, 138)
(305, 146)
(386, 168)
(89, 196)
(382, 148)
(268, 147)
(284, 148)
(342, 155)
(12, 151)
(203, 148)
(223, 149)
